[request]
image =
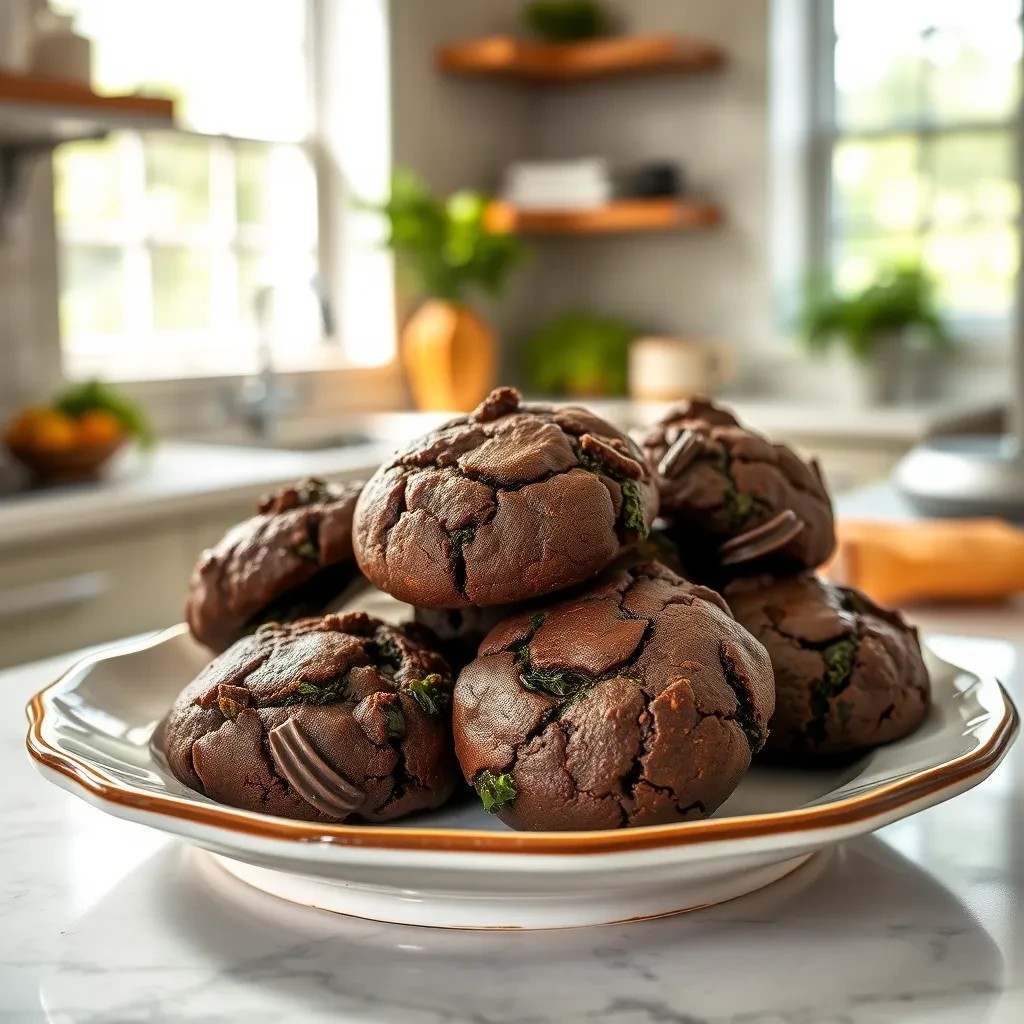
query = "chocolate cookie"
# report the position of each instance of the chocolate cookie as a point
(284, 563)
(329, 719)
(637, 702)
(510, 502)
(460, 631)
(726, 487)
(848, 674)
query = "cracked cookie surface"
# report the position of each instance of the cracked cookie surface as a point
(510, 502)
(721, 484)
(637, 701)
(330, 719)
(460, 631)
(848, 673)
(284, 563)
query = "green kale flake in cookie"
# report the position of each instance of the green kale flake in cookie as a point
(633, 517)
(840, 658)
(305, 550)
(395, 719)
(430, 694)
(495, 791)
(314, 693)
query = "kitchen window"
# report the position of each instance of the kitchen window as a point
(166, 238)
(917, 149)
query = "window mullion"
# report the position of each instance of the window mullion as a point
(223, 229)
(921, 128)
(138, 296)
(154, 226)
(823, 136)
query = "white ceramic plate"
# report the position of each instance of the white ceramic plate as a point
(91, 734)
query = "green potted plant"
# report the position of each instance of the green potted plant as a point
(566, 21)
(883, 330)
(445, 250)
(579, 354)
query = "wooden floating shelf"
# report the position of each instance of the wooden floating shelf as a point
(623, 216)
(40, 111)
(528, 61)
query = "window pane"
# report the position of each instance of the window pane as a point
(170, 233)
(234, 66)
(177, 181)
(88, 183)
(250, 278)
(973, 71)
(92, 286)
(934, 61)
(276, 192)
(877, 186)
(973, 178)
(878, 82)
(182, 289)
(867, 18)
(974, 270)
(292, 315)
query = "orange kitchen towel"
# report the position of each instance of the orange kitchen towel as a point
(930, 559)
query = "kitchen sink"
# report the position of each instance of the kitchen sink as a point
(349, 439)
(387, 431)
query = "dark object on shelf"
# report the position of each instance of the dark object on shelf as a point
(566, 21)
(657, 180)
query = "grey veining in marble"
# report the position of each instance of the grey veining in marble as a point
(103, 921)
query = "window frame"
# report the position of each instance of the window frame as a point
(985, 332)
(328, 374)
(224, 238)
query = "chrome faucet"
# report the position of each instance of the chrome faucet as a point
(263, 397)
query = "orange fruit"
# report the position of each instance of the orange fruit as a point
(97, 426)
(20, 428)
(52, 432)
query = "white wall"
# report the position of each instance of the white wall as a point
(711, 284)
(28, 293)
(462, 132)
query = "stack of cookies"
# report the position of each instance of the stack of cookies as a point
(579, 661)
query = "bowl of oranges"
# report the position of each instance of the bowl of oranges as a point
(74, 438)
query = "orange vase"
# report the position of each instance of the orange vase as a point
(450, 356)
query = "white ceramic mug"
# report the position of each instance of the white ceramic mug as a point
(668, 369)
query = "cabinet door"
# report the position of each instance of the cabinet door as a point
(58, 597)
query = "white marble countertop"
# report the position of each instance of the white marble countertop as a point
(105, 921)
(176, 478)
(180, 478)
(904, 424)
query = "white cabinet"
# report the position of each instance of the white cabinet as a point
(100, 586)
